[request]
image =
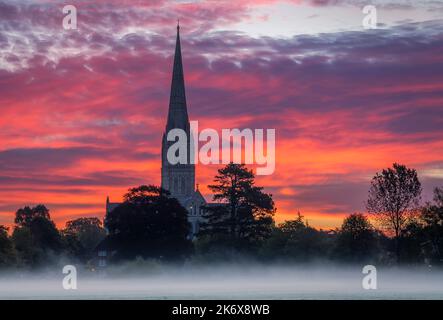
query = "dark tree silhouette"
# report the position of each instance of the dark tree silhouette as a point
(295, 240)
(245, 212)
(432, 216)
(82, 236)
(24, 216)
(303, 242)
(145, 194)
(356, 239)
(35, 236)
(394, 197)
(45, 234)
(413, 242)
(149, 224)
(292, 226)
(7, 254)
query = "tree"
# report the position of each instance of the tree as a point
(35, 236)
(295, 240)
(293, 226)
(244, 213)
(413, 241)
(7, 255)
(356, 239)
(24, 216)
(146, 194)
(304, 243)
(150, 224)
(82, 236)
(394, 197)
(27, 252)
(45, 234)
(432, 217)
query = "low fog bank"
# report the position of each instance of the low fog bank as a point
(150, 280)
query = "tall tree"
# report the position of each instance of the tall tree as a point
(150, 224)
(394, 198)
(244, 212)
(35, 235)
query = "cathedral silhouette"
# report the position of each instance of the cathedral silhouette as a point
(178, 179)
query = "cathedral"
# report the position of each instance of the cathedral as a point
(178, 179)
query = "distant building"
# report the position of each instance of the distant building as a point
(178, 179)
(103, 254)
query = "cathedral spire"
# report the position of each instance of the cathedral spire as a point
(179, 179)
(178, 114)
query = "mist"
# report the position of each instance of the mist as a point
(233, 281)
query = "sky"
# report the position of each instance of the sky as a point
(82, 111)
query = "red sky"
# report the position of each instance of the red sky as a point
(83, 111)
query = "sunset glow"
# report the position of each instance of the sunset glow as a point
(83, 111)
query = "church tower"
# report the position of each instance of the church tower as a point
(179, 179)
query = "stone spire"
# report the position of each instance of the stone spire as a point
(179, 179)
(178, 114)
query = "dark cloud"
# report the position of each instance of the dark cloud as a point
(32, 160)
(120, 178)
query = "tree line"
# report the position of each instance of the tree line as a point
(240, 225)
